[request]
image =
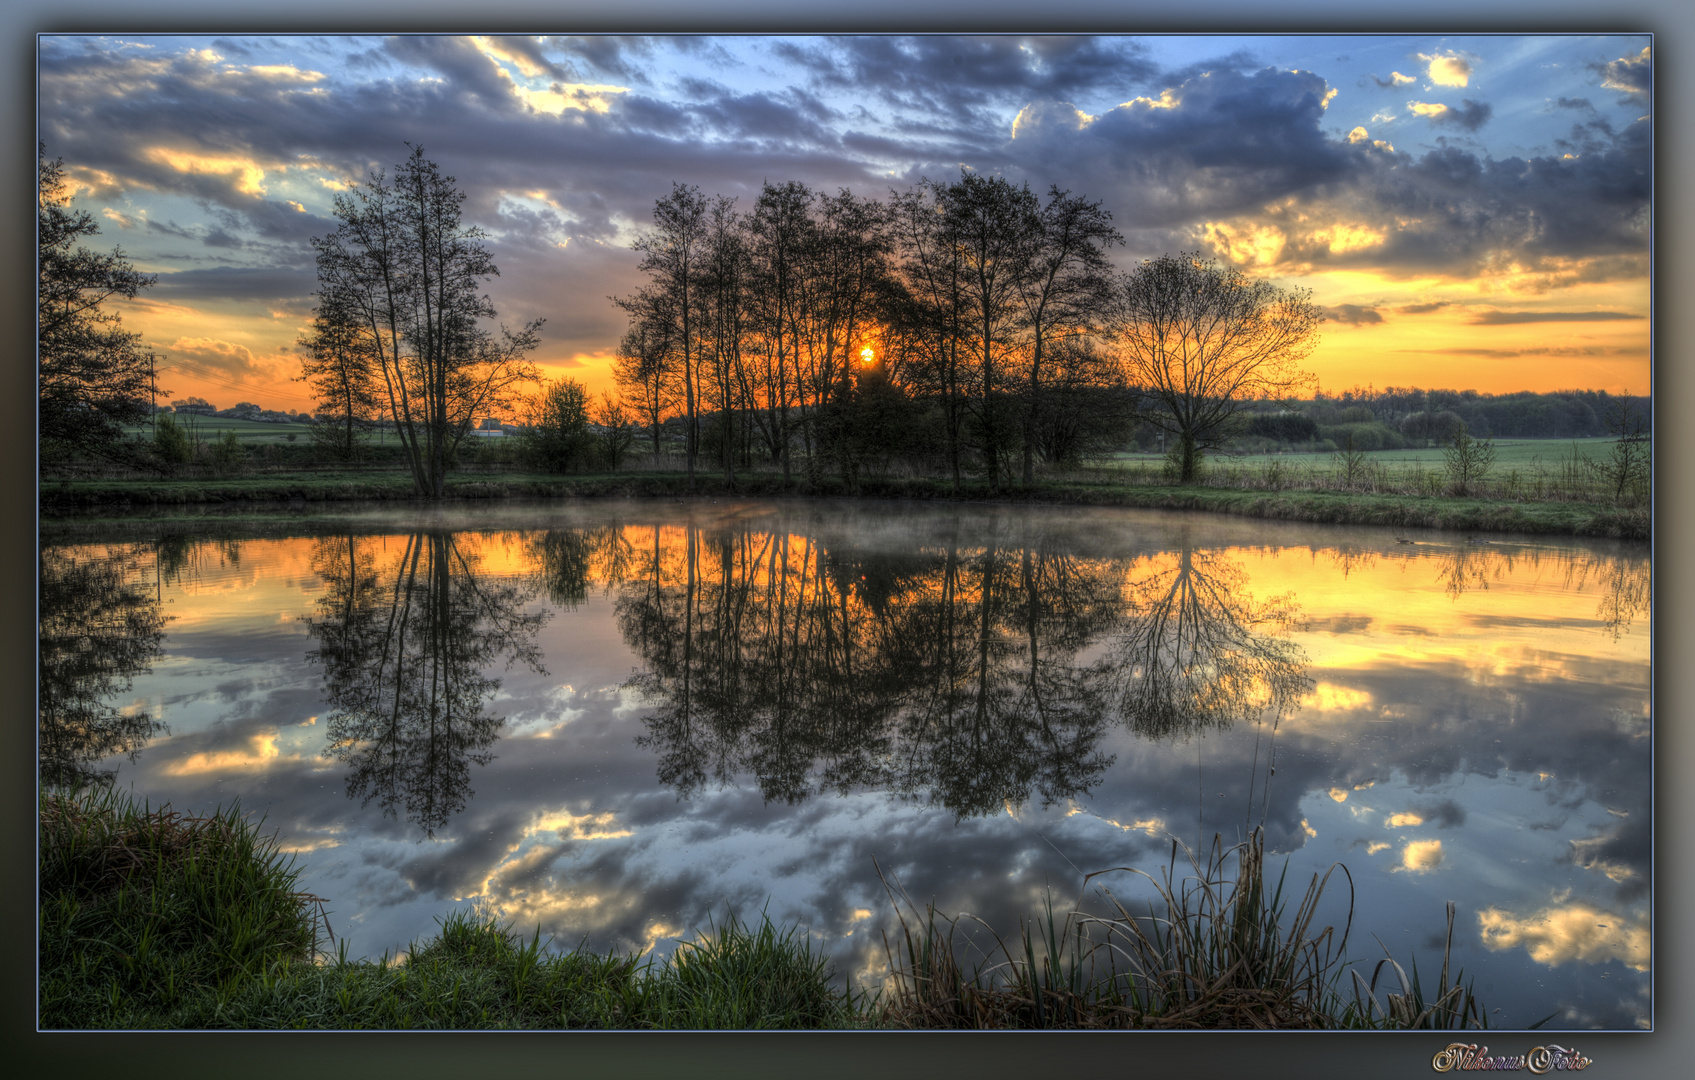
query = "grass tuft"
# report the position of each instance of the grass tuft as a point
(1217, 950)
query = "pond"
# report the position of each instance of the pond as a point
(621, 721)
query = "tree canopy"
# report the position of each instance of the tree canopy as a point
(1204, 342)
(94, 375)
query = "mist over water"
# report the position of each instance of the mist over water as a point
(619, 721)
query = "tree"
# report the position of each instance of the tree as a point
(615, 430)
(643, 368)
(1467, 460)
(1202, 342)
(94, 375)
(557, 439)
(995, 229)
(673, 254)
(1064, 293)
(409, 271)
(340, 371)
(1625, 469)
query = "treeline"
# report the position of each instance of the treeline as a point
(952, 326)
(1562, 414)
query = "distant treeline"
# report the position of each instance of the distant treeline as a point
(1399, 417)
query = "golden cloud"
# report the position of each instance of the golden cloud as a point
(1556, 935)
(1447, 69)
(1420, 856)
(1398, 821)
(248, 174)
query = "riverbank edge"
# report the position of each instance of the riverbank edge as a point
(123, 497)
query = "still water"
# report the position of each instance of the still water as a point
(619, 721)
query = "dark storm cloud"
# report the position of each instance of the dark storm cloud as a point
(461, 63)
(235, 283)
(1509, 318)
(1470, 115)
(1232, 141)
(1237, 141)
(1353, 314)
(1466, 209)
(964, 76)
(625, 59)
(1444, 814)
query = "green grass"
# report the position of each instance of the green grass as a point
(143, 908)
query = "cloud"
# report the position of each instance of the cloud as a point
(1421, 856)
(1630, 75)
(1352, 314)
(1214, 144)
(1395, 79)
(236, 283)
(1513, 318)
(1560, 935)
(224, 358)
(964, 76)
(1423, 309)
(1447, 69)
(1470, 116)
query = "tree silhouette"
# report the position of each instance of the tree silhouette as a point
(94, 375)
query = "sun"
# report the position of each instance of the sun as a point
(867, 356)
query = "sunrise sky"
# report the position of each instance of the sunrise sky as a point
(1472, 211)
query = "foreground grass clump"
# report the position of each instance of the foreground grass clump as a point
(142, 908)
(1215, 951)
(150, 918)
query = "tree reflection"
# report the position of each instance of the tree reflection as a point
(1198, 652)
(405, 644)
(956, 675)
(99, 627)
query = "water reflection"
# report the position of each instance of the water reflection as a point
(100, 627)
(1198, 652)
(405, 646)
(959, 674)
(832, 684)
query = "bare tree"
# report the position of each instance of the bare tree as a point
(1204, 341)
(1065, 292)
(673, 253)
(995, 229)
(409, 272)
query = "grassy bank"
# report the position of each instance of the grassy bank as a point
(1106, 487)
(158, 920)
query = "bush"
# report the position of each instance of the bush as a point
(558, 439)
(171, 443)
